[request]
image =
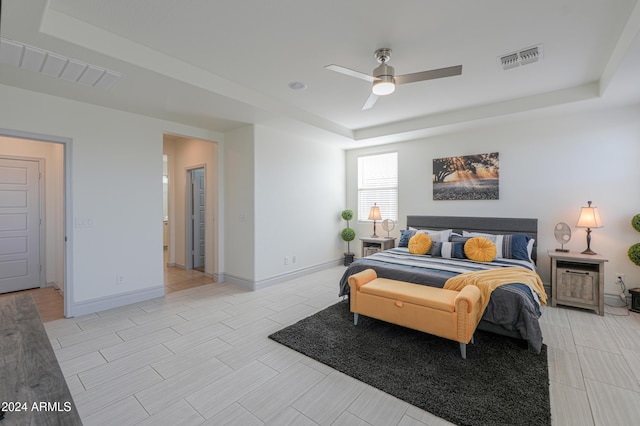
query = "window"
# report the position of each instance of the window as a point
(378, 183)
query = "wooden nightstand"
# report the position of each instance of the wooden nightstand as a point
(577, 280)
(374, 245)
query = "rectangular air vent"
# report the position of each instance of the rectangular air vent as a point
(521, 57)
(33, 59)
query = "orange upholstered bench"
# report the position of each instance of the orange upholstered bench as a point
(450, 314)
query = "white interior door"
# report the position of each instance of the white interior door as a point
(198, 225)
(19, 225)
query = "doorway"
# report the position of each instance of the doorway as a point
(21, 226)
(196, 214)
(52, 154)
(192, 207)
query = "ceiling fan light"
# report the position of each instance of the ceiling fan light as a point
(383, 87)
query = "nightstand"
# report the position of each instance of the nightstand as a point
(577, 280)
(374, 245)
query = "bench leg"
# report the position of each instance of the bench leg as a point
(355, 319)
(463, 350)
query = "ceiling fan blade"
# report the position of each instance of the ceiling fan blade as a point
(350, 72)
(371, 101)
(429, 75)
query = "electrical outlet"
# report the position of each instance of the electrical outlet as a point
(119, 279)
(620, 276)
(293, 259)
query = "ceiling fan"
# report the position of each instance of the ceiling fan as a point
(383, 79)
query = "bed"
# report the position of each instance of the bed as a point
(513, 309)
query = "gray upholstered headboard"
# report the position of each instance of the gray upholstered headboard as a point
(489, 225)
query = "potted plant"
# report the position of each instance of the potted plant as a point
(348, 235)
(634, 250)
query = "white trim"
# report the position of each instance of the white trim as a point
(277, 279)
(242, 282)
(68, 206)
(614, 300)
(121, 299)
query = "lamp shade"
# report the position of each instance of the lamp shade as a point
(589, 217)
(374, 213)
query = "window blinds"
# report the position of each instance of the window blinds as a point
(378, 183)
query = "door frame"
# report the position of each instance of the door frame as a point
(67, 209)
(188, 246)
(42, 282)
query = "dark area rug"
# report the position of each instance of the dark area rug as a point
(500, 383)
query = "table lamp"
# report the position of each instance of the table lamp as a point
(374, 214)
(589, 218)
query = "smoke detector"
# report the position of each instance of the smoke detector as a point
(520, 58)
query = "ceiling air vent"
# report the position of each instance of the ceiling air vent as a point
(52, 64)
(522, 57)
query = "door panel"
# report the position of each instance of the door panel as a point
(19, 225)
(198, 179)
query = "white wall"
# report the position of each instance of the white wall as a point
(283, 197)
(549, 168)
(116, 167)
(299, 194)
(239, 238)
(52, 153)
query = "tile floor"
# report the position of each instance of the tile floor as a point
(50, 303)
(202, 356)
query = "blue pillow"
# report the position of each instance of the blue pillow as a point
(405, 236)
(514, 246)
(457, 251)
(451, 250)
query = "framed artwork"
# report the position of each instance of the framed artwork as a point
(469, 177)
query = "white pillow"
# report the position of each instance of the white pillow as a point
(441, 236)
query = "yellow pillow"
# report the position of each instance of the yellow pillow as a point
(480, 249)
(420, 244)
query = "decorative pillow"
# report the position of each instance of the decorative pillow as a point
(436, 249)
(436, 235)
(516, 246)
(453, 250)
(480, 249)
(419, 244)
(509, 246)
(405, 236)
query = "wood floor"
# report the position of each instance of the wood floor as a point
(29, 371)
(202, 356)
(50, 303)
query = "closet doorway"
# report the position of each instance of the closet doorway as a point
(196, 214)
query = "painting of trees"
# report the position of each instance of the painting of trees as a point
(469, 177)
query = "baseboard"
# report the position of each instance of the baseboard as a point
(232, 279)
(56, 286)
(277, 279)
(615, 300)
(115, 301)
(297, 273)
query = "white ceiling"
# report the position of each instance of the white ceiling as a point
(221, 64)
